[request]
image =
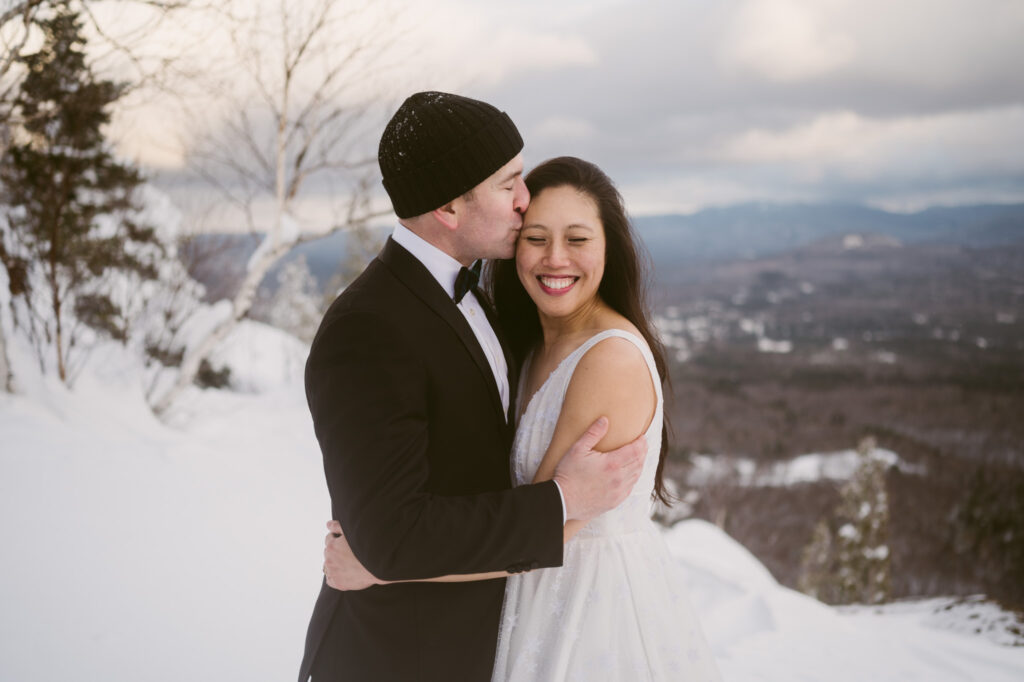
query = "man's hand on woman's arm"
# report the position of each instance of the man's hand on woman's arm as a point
(594, 482)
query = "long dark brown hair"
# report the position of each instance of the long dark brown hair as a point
(623, 286)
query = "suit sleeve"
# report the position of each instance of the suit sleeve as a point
(366, 392)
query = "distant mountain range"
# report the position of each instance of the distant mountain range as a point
(741, 231)
(757, 229)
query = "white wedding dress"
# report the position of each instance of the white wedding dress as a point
(617, 608)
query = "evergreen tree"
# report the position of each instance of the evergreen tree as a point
(69, 201)
(847, 560)
(816, 562)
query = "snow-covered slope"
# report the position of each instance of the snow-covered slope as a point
(133, 550)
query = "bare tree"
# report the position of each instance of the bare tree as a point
(303, 103)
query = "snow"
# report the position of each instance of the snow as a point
(853, 241)
(766, 345)
(877, 553)
(1005, 318)
(135, 550)
(760, 630)
(129, 546)
(848, 532)
(809, 468)
(885, 357)
(261, 358)
(753, 327)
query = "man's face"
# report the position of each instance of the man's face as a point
(492, 214)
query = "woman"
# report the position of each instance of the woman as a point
(573, 305)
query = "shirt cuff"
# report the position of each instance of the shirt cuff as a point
(562, 498)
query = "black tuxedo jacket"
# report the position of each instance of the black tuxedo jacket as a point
(415, 449)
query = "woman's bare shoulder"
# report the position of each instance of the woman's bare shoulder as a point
(613, 379)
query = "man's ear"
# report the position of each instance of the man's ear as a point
(448, 215)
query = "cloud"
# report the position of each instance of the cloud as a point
(479, 45)
(560, 129)
(687, 104)
(900, 163)
(923, 45)
(788, 40)
(514, 50)
(962, 195)
(938, 45)
(689, 192)
(850, 145)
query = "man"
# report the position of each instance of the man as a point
(408, 387)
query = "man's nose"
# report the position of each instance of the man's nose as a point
(521, 199)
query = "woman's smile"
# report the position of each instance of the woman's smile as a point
(556, 285)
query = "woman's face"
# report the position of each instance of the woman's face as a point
(560, 253)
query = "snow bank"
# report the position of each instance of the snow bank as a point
(135, 551)
(138, 551)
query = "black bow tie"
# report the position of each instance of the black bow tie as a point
(466, 281)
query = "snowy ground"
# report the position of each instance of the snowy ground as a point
(133, 550)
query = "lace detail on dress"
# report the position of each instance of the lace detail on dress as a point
(617, 608)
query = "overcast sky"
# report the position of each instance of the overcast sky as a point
(901, 104)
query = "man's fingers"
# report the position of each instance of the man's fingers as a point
(631, 473)
(632, 469)
(593, 435)
(629, 454)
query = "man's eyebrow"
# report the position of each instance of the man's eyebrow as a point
(510, 176)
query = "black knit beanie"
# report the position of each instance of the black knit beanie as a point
(439, 146)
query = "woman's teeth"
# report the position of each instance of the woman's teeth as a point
(557, 282)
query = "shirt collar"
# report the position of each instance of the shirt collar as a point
(443, 267)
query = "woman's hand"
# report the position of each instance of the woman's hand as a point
(341, 567)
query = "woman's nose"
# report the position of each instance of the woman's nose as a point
(556, 255)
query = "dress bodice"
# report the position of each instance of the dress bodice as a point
(617, 608)
(537, 427)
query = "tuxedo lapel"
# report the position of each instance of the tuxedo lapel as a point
(422, 284)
